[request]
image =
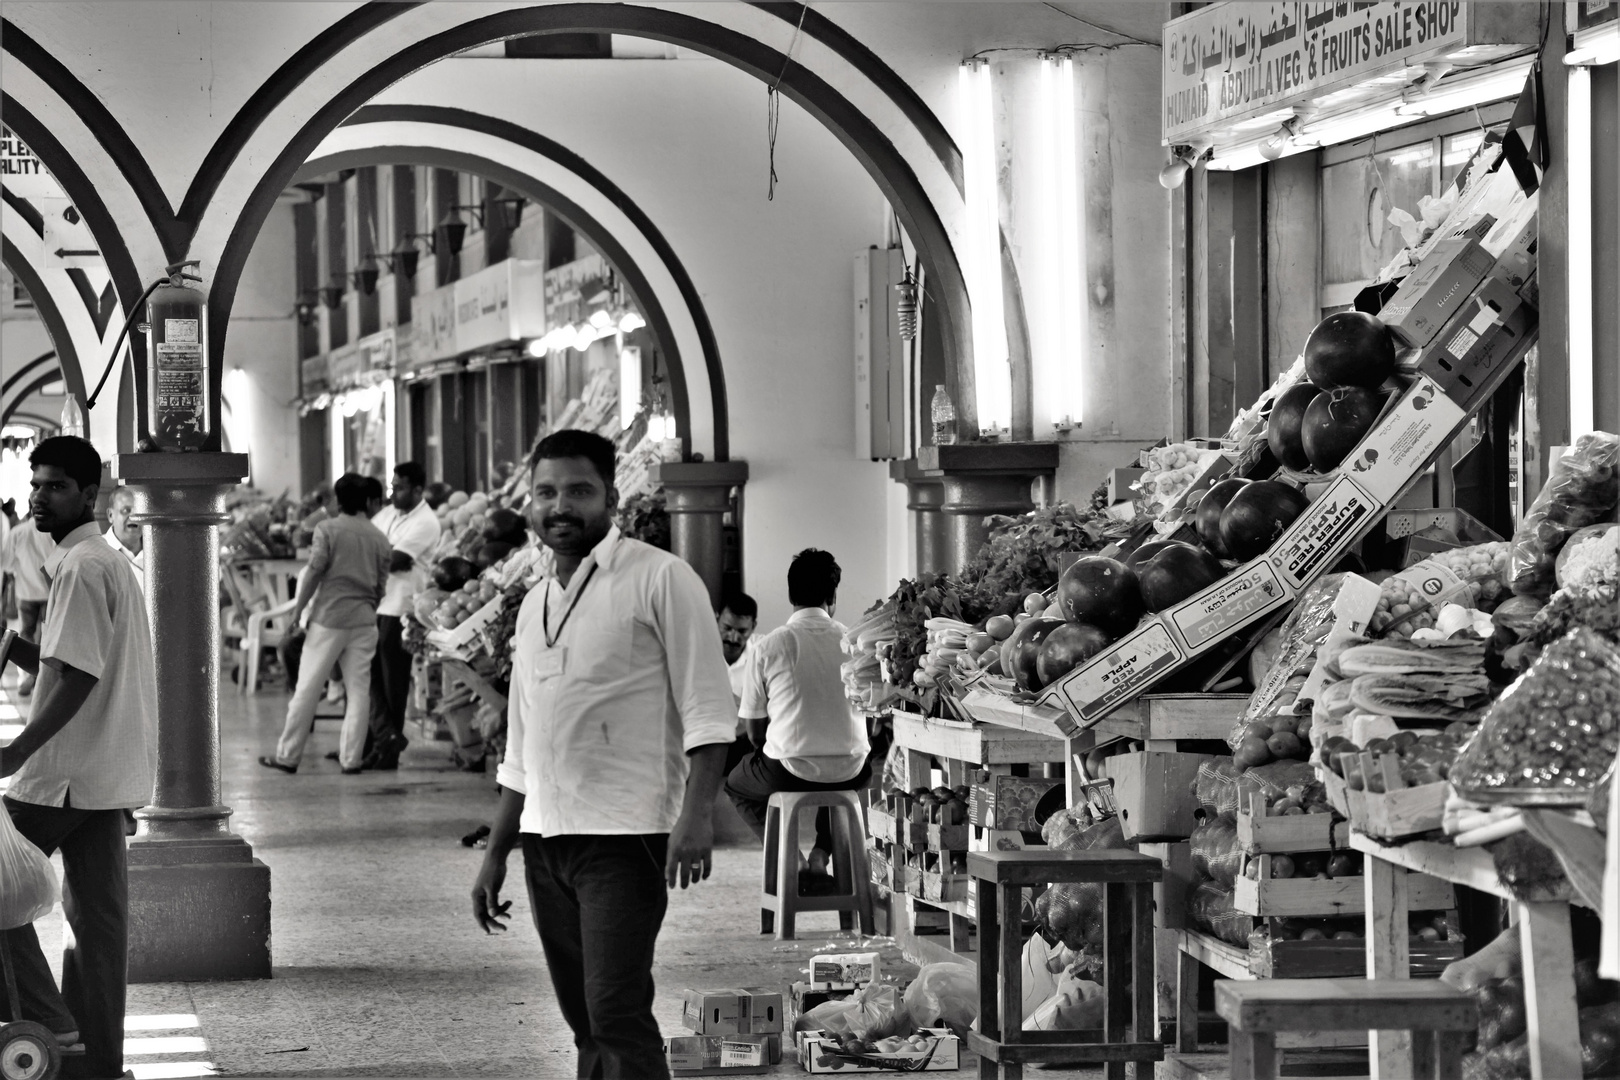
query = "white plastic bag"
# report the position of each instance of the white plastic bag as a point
(944, 995)
(1077, 1004)
(28, 888)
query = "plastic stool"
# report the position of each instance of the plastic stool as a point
(779, 899)
(1438, 1017)
(1127, 892)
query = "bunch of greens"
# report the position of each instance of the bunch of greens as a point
(645, 517)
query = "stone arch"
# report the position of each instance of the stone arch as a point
(549, 173)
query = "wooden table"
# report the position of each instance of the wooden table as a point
(1549, 960)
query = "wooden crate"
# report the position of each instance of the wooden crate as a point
(1397, 811)
(1260, 831)
(1154, 792)
(1168, 717)
(979, 744)
(1000, 801)
(880, 824)
(948, 837)
(1268, 897)
(1342, 959)
(945, 887)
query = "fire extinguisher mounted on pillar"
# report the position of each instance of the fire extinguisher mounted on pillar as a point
(178, 392)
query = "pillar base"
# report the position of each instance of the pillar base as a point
(199, 910)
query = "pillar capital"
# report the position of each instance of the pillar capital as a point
(979, 480)
(697, 495)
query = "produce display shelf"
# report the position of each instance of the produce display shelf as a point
(1049, 719)
(1230, 962)
(975, 743)
(1288, 897)
(1417, 427)
(1167, 717)
(1544, 944)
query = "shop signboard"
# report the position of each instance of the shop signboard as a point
(21, 171)
(433, 319)
(576, 290)
(313, 376)
(1232, 61)
(500, 303)
(364, 361)
(1593, 13)
(344, 365)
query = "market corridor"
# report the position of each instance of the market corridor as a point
(378, 969)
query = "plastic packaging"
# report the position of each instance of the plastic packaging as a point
(1301, 634)
(943, 414)
(1216, 853)
(1075, 1004)
(28, 887)
(1210, 906)
(1582, 490)
(1553, 733)
(943, 995)
(874, 1013)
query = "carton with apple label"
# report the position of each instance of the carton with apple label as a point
(1228, 605)
(1120, 672)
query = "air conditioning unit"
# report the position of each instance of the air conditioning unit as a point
(882, 371)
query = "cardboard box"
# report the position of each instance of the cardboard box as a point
(1436, 289)
(1154, 793)
(1120, 481)
(819, 1052)
(858, 968)
(1399, 446)
(1119, 673)
(722, 1055)
(998, 801)
(752, 1011)
(1326, 528)
(1514, 241)
(802, 997)
(1492, 331)
(1238, 599)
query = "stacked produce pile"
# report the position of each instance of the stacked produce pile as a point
(261, 527)
(866, 644)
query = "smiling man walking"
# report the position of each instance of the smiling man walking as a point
(619, 719)
(87, 754)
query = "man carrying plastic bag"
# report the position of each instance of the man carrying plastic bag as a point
(87, 754)
(28, 887)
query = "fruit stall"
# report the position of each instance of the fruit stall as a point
(1328, 705)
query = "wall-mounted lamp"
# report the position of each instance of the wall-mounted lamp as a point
(305, 306)
(1060, 357)
(981, 265)
(1182, 157)
(332, 294)
(365, 278)
(1276, 144)
(403, 259)
(449, 233)
(505, 213)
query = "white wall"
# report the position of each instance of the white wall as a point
(263, 342)
(686, 141)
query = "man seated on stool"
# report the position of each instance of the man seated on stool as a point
(808, 736)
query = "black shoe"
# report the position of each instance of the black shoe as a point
(472, 838)
(352, 772)
(271, 763)
(333, 756)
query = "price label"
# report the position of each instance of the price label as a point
(1121, 672)
(1245, 595)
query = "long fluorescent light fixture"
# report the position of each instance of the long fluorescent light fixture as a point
(1459, 91)
(1578, 155)
(1596, 47)
(1063, 363)
(982, 249)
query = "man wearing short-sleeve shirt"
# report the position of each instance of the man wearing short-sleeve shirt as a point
(87, 754)
(617, 726)
(412, 530)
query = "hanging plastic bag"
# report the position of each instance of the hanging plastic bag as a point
(944, 995)
(28, 888)
(1582, 490)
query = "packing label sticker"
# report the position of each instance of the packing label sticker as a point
(1326, 528)
(1236, 599)
(1401, 444)
(1120, 673)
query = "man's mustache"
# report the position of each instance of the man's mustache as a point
(554, 520)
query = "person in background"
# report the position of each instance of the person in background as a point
(25, 553)
(436, 495)
(87, 755)
(124, 537)
(341, 587)
(808, 736)
(617, 727)
(412, 530)
(738, 617)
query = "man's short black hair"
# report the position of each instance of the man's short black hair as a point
(572, 443)
(741, 605)
(73, 455)
(375, 489)
(813, 578)
(412, 473)
(353, 491)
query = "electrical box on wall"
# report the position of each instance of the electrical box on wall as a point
(881, 383)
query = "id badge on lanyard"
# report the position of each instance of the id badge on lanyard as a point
(551, 663)
(553, 659)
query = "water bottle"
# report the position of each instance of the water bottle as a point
(944, 414)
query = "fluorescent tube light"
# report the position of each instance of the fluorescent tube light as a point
(982, 249)
(1578, 154)
(1061, 359)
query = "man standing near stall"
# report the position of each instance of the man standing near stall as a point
(617, 727)
(412, 530)
(87, 754)
(123, 536)
(26, 551)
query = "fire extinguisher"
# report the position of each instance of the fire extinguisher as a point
(179, 394)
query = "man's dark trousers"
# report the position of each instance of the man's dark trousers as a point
(95, 898)
(390, 681)
(752, 783)
(603, 899)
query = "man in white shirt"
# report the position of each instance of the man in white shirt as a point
(124, 537)
(809, 737)
(412, 529)
(25, 554)
(87, 754)
(617, 727)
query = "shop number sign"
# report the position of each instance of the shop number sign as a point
(1232, 60)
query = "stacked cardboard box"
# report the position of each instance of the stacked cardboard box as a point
(735, 1032)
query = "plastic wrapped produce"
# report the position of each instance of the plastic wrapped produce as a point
(1553, 733)
(1216, 786)
(1216, 853)
(1071, 913)
(1301, 634)
(1471, 577)
(1582, 490)
(1210, 906)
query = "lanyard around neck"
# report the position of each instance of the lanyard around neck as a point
(545, 610)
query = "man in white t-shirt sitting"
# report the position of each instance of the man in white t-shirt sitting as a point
(809, 737)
